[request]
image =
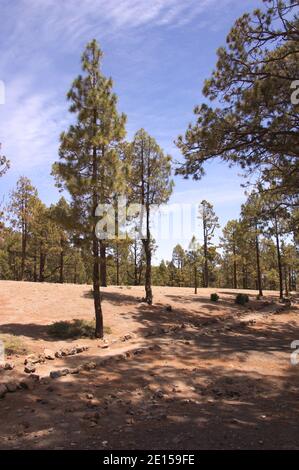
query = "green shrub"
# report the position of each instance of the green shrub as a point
(214, 297)
(74, 329)
(242, 299)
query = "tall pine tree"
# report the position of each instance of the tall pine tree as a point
(89, 163)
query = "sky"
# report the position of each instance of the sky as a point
(158, 54)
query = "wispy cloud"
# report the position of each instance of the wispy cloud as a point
(30, 125)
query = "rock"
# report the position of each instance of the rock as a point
(65, 352)
(58, 354)
(34, 359)
(29, 368)
(89, 396)
(49, 354)
(12, 386)
(168, 308)
(9, 366)
(27, 384)
(3, 390)
(76, 370)
(127, 337)
(55, 374)
(72, 351)
(138, 351)
(89, 365)
(158, 394)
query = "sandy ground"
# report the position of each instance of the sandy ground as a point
(210, 375)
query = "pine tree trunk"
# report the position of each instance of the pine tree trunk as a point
(99, 328)
(195, 280)
(103, 264)
(135, 264)
(258, 265)
(244, 277)
(286, 281)
(35, 267)
(148, 272)
(61, 267)
(24, 252)
(148, 257)
(99, 331)
(205, 246)
(42, 264)
(235, 267)
(278, 259)
(117, 265)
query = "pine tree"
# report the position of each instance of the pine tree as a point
(89, 163)
(151, 185)
(21, 210)
(195, 259)
(251, 211)
(209, 224)
(61, 216)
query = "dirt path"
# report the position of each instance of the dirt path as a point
(206, 375)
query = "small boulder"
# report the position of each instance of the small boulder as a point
(55, 374)
(89, 365)
(65, 352)
(34, 359)
(29, 368)
(9, 366)
(50, 355)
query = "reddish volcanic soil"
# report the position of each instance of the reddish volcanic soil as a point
(185, 373)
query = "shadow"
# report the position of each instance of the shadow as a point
(115, 298)
(157, 401)
(215, 382)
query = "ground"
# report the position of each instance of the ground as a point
(198, 375)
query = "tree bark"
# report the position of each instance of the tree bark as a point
(195, 280)
(235, 266)
(103, 264)
(278, 259)
(35, 266)
(61, 267)
(148, 272)
(205, 248)
(99, 328)
(117, 265)
(258, 264)
(42, 264)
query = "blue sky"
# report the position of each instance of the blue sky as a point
(158, 53)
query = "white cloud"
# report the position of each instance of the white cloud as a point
(30, 126)
(33, 30)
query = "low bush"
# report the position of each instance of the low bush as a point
(74, 329)
(242, 299)
(214, 297)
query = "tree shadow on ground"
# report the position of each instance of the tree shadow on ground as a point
(115, 298)
(153, 402)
